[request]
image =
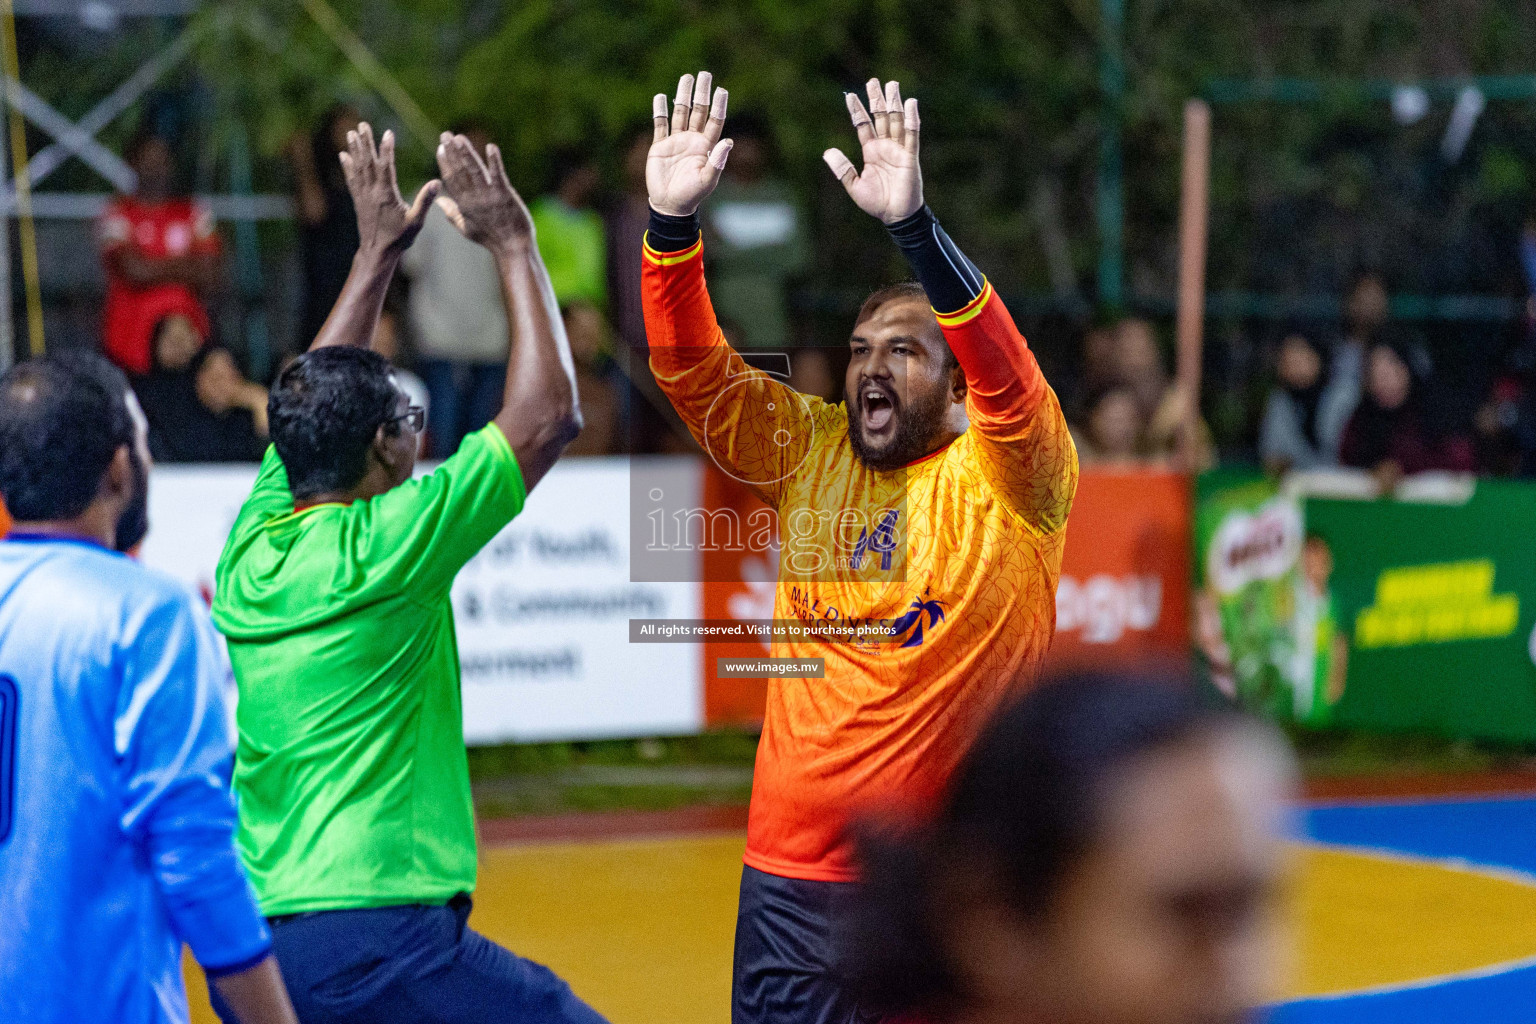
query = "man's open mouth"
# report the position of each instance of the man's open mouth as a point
(877, 407)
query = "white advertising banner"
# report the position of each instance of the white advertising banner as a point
(542, 613)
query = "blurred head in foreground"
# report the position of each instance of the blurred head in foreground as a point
(1111, 852)
(74, 450)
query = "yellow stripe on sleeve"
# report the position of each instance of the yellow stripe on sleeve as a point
(969, 311)
(670, 259)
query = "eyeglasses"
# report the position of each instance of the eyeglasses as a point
(415, 418)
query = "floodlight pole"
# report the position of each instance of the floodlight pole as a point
(1194, 210)
(1111, 184)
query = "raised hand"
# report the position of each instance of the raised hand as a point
(384, 223)
(890, 186)
(687, 153)
(480, 200)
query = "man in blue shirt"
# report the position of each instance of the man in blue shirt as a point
(116, 820)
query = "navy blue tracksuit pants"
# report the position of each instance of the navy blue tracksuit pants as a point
(409, 964)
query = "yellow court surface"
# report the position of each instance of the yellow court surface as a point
(643, 928)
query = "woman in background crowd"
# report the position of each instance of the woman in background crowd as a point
(1165, 402)
(1392, 433)
(1306, 412)
(161, 254)
(199, 406)
(1113, 430)
(1366, 309)
(591, 351)
(1111, 852)
(458, 325)
(327, 224)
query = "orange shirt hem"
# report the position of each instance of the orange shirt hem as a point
(819, 872)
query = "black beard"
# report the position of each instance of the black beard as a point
(133, 524)
(916, 425)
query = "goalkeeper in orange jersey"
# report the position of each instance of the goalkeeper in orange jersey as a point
(933, 502)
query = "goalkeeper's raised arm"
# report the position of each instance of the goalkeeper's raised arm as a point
(752, 424)
(1023, 443)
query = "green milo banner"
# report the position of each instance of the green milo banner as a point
(1371, 614)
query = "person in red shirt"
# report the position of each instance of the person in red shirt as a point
(161, 255)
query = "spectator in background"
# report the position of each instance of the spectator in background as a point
(1099, 367)
(1165, 404)
(811, 373)
(1504, 425)
(570, 233)
(627, 220)
(459, 325)
(1391, 433)
(327, 223)
(199, 406)
(161, 255)
(1501, 428)
(595, 385)
(1366, 308)
(387, 343)
(1305, 415)
(755, 241)
(1113, 431)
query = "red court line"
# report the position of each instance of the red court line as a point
(613, 825)
(1421, 785)
(682, 821)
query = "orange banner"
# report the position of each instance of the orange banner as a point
(1123, 599)
(737, 585)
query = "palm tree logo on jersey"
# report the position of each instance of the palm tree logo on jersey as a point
(913, 620)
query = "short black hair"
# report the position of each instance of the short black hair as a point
(324, 410)
(902, 290)
(1028, 801)
(62, 420)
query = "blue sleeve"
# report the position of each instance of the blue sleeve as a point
(175, 748)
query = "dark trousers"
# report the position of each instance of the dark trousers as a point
(464, 397)
(402, 965)
(784, 953)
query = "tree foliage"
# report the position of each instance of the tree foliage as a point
(1010, 92)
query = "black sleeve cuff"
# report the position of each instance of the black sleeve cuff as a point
(951, 281)
(672, 234)
(914, 229)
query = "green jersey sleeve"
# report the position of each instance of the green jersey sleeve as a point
(420, 534)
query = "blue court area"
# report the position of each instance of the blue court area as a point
(1453, 842)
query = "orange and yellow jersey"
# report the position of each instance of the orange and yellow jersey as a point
(957, 555)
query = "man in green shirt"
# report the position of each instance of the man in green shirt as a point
(571, 235)
(356, 823)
